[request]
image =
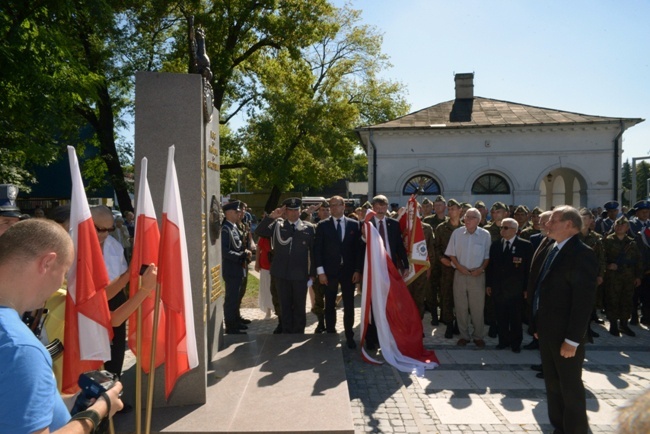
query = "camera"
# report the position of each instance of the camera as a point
(92, 384)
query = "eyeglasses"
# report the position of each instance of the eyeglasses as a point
(505, 228)
(100, 230)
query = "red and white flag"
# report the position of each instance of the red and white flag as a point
(413, 236)
(145, 251)
(394, 313)
(88, 330)
(176, 291)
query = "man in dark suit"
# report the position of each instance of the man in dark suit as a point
(565, 290)
(391, 234)
(338, 258)
(506, 279)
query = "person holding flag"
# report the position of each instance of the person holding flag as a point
(417, 251)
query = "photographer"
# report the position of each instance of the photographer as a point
(35, 256)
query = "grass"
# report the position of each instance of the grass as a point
(252, 291)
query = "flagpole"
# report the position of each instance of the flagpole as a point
(152, 365)
(138, 366)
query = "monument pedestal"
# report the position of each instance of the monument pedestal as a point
(264, 384)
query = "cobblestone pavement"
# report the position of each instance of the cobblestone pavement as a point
(480, 391)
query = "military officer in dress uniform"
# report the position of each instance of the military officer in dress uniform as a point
(604, 224)
(292, 242)
(234, 260)
(641, 219)
(622, 276)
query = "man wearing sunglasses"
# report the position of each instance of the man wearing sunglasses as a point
(506, 281)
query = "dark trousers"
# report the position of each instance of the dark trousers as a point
(347, 291)
(293, 299)
(231, 302)
(565, 392)
(118, 345)
(509, 310)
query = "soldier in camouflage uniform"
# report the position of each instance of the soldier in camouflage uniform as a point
(622, 276)
(499, 211)
(442, 235)
(643, 243)
(433, 291)
(533, 228)
(480, 206)
(318, 308)
(521, 215)
(595, 241)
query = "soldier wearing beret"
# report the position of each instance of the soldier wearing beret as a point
(534, 226)
(426, 208)
(234, 261)
(499, 211)
(442, 236)
(623, 274)
(604, 223)
(292, 242)
(480, 206)
(9, 212)
(521, 215)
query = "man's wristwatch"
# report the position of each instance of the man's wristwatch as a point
(90, 415)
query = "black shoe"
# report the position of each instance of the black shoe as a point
(449, 333)
(592, 333)
(320, 328)
(634, 320)
(351, 344)
(516, 350)
(278, 330)
(502, 346)
(492, 332)
(434, 321)
(241, 326)
(533, 345)
(244, 320)
(626, 330)
(645, 321)
(537, 368)
(540, 375)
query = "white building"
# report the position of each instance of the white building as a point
(475, 148)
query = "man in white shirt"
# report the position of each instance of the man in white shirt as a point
(469, 251)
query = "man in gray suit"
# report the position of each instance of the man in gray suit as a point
(292, 243)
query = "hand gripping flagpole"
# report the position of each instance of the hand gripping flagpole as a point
(152, 365)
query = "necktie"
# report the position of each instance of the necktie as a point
(339, 229)
(293, 227)
(507, 249)
(382, 232)
(542, 275)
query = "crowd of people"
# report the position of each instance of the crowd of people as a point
(500, 271)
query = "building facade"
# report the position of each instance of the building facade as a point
(474, 148)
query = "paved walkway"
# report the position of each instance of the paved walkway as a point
(481, 391)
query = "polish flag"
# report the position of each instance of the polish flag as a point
(394, 312)
(88, 330)
(176, 291)
(145, 251)
(413, 236)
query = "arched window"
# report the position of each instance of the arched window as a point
(421, 184)
(491, 184)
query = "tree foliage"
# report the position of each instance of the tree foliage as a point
(301, 131)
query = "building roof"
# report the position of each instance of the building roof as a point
(481, 112)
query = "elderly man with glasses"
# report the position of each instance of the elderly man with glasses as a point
(506, 280)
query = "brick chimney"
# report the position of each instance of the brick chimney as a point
(464, 85)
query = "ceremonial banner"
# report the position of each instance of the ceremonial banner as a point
(145, 251)
(174, 279)
(414, 242)
(88, 330)
(394, 312)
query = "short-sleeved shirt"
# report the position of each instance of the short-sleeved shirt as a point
(114, 258)
(470, 250)
(29, 400)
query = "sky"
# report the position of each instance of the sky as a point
(590, 57)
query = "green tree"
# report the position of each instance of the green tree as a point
(359, 171)
(642, 175)
(302, 130)
(626, 179)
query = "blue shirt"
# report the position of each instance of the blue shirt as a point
(29, 400)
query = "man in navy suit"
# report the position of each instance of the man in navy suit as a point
(565, 290)
(506, 280)
(391, 234)
(338, 258)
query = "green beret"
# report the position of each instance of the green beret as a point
(499, 205)
(440, 198)
(453, 202)
(622, 220)
(479, 204)
(426, 201)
